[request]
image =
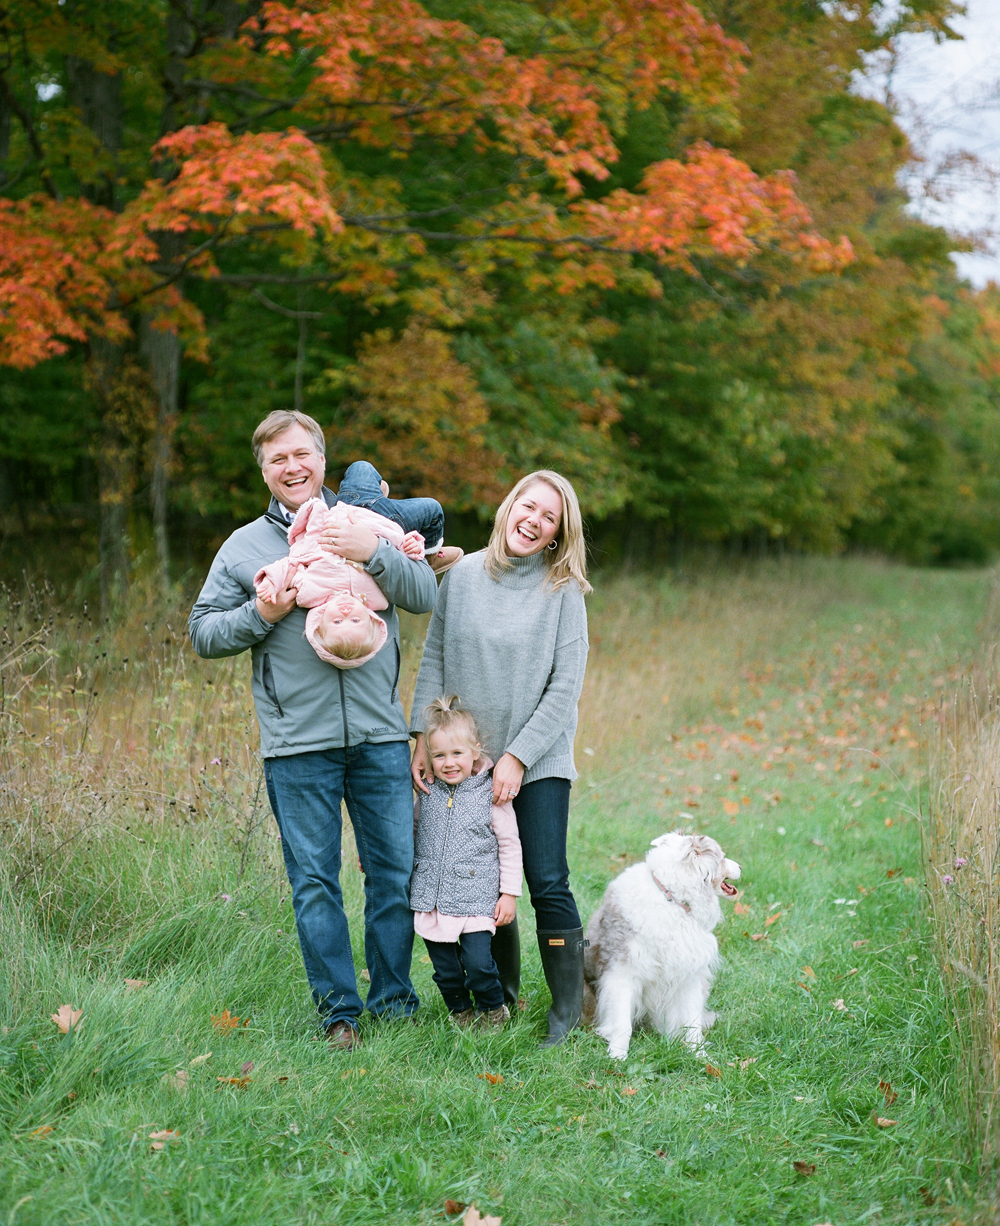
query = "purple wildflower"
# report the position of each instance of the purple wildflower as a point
(960, 862)
(226, 898)
(947, 879)
(216, 762)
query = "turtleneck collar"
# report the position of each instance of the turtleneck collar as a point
(524, 572)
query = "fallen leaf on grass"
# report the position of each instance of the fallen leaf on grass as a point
(67, 1017)
(452, 1207)
(661, 1153)
(629, 1091)
(756, 936)
(804, 1168)
(773, 919)
(804, 986)
(134, 985)
(493, 1078)
(745, 1064)
(474, 1218)
(228, 1022)
(740, 908)
(240, 1083)
(889, 1093)
(711, 1070)
(808, 972)
(731, 807)
(246, 1068)
(159, 1139)
(859, 944)
(177, 1081)
(882, 1122)
(200, 1059)
(839, 1004)
(42, 1132)
(366, 976)
(591, 1085)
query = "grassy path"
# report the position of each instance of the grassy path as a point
(778, 711)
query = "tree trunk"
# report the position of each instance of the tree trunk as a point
(162, 351)
(114, 477)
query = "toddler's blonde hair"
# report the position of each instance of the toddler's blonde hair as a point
(348, 648)
(448, 715)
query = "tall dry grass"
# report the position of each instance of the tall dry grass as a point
(962, 840)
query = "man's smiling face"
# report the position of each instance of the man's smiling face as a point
(293, 469)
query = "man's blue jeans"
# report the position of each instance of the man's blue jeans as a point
(361, 488)
(305, 791)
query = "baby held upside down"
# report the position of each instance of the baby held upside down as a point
(342, 626)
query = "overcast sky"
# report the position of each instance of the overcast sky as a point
(947, 97)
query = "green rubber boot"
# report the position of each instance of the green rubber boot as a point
(506, 950)
(562, 962)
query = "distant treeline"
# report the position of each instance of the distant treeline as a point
(718, 367)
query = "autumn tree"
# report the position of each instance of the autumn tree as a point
(406, 159)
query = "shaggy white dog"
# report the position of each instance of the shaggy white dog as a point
(652, 953)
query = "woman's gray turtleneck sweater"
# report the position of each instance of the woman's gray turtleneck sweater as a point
(514, 651)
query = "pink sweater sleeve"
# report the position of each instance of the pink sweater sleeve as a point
(505, 828)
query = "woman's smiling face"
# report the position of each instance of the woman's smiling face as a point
(533, 520)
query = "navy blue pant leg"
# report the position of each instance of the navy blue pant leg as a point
(466, 966)
(361, 488)
(542, 810)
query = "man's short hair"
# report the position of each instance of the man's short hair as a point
(277, 423)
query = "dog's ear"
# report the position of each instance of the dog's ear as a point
(659, 840)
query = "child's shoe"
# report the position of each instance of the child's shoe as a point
(464, 1019)
(492, 1019)
(445, 558)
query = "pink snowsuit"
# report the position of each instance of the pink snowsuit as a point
(319, 575)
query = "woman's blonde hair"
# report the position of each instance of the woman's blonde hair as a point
(448, 715)
(569, 559)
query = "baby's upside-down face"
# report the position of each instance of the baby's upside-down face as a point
(345, 620)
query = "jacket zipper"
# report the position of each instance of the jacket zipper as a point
(267, 680)
(343, 709)
(444, 847)
(395, 682)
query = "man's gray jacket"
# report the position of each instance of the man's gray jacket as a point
(304, 704)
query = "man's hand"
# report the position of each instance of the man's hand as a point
(506, 909)
(281, 604)
(507, 776)
(420, 765)
(351, 541)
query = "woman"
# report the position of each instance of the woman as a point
(509, 636)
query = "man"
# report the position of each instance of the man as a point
(325, 733)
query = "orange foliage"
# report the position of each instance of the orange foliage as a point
(419, 411)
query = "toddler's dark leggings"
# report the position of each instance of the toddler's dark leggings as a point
(466, 966)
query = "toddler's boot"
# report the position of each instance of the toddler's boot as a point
(463, 1019)
(492, 1019)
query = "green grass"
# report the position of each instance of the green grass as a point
(749, 664)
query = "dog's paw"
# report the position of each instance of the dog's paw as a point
(617, 1053)
(708, 1019)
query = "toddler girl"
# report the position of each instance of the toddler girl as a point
(466, 868)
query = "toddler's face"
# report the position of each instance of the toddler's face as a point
(452, 757)
(345, 619)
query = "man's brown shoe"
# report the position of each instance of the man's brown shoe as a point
(343, 1036)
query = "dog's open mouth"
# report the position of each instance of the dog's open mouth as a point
(729, 889)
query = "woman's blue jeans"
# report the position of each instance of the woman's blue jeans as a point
(305, 791)
(361, 488)
(542, 810)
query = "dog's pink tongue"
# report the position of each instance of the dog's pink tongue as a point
(728, 889)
